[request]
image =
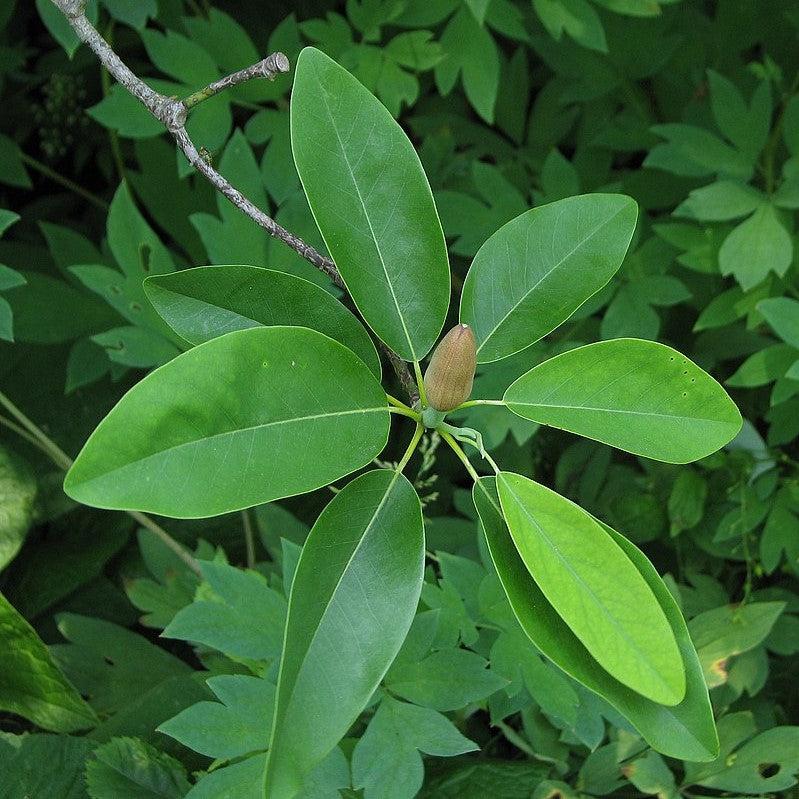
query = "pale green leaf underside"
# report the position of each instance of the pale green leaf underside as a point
(539, 268)
(209, 301)
(639, 396)
(250, 417)
(373, 205)
(352, 602)
(685, 731)
(594, 587)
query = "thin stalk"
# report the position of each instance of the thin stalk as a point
(249, 536)
(23, 433)
(68, 184)
(406, 412)
(472, 403)
(456, 448)
(417, 435)
(397, 403)
(105, 82)
(417, 370)
(61, 459)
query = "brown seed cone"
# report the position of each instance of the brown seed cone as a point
(450, 373)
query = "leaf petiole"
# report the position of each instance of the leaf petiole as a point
(417, 435)
(458, 450)
(474, 402)
(411, 414)
(417, 370)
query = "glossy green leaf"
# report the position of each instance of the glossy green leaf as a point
(247, 418)
(31, 684)
(684, 731)
(539, 268)
(17, 503)
(594, 587)
(635, 395)
(209, 301)
(373, 204)
(352, 602)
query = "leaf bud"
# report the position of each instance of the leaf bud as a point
(450, 373)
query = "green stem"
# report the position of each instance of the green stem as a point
(249, 536)
(61, 459)
(68, 184)
(417, 435)
(472, 403)
(406, 412)
(397, 403)
(456, 448)
(417, 370)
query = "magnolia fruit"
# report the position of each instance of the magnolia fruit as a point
(450, 373)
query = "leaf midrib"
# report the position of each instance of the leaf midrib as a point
(545, 276)
(239, 430)
(322, 615)
(368, 220)
(553, 546)
(615, 410)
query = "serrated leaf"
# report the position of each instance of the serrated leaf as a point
(18, 489)
(636, 395)
(232, 401)
(206, 302)
(134, 769)
(31, 684)
(372, 202)
(534, 272)
(352, 601)
(580, 569)
(685, 731)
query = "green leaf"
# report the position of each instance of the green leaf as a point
(534, 272)
(12, 170)
(131, 768)
(720, 202)
(113, 666)
(203, 303)
(765, 764)
(132, 12)
(352, 602)
(242, 780)
(258, 414)
(763, 366)
(133, 346)
(575, 17)
(695, 152)
(652, 776)
(747, 127)
(687, 501)
(684, 731)
(49, 766)
(241, 722)
(18, 490)
(759, 245)
(720, 633)
(447, 679)
(635, 395)
(386, 761)
(58, 25)
(470, 51)
(31, 684)
(782, 313)
(372, 202)
(242, 617)
(595, 588)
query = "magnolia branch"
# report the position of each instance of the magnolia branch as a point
(173, 113)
